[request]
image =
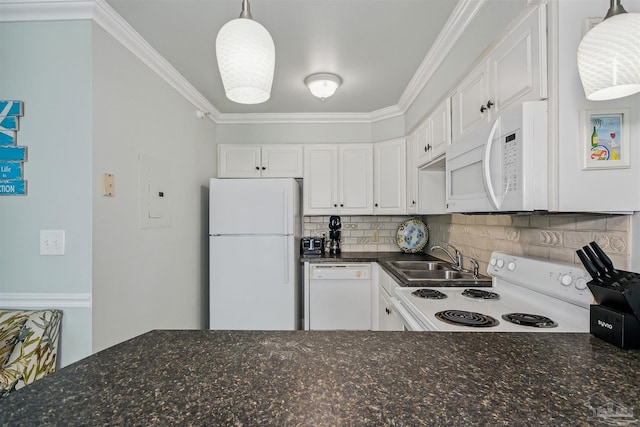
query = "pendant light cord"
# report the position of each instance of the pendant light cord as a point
(246, 10)
(615, 9)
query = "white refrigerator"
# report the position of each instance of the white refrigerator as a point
(254, 269)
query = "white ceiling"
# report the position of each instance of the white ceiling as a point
(376, 46)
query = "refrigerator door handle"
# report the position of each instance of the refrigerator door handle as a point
(286, 260)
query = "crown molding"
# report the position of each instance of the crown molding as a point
(100, 12)
(457, 23)
(310, 118)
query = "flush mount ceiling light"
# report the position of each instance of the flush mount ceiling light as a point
(246, 59)
(609, 56)
(323, 85)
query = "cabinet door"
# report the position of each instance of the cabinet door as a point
(238, 161)
(390, 174)
(389, 318)
(518, 63)
(320, 180)
(412, 175)
(355, 179)
(440, 124)
(423, 142)
(282, 161)
(468, 104)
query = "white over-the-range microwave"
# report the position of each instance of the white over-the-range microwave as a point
(502, 165)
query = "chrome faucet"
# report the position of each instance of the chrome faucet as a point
(457, 260)
(476, 267)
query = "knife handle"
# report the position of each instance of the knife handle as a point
(588, 266)
(603, 257)
(596, 261)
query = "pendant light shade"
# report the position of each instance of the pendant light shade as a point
(323, 85)
(609, 58)
(246, 59)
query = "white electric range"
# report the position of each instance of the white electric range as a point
(527, 295)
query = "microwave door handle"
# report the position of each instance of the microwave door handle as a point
(487, 169)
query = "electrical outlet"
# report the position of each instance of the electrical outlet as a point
(376, 236)
(52, 242)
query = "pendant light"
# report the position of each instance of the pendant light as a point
(246, 59)
(609, 56)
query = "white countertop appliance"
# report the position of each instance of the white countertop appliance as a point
(528, 295)
(254, 269)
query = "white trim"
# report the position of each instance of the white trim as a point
(100, 12)
(28, 300)
(457, 23)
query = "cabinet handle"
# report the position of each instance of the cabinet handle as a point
(429, 147)
(413, 202)
(257, 168)
(483, 109)
(425, 149)
(263, 168)
(387, 310)
(376, 205)
(335, 205)
(341, 205)
(490, 104)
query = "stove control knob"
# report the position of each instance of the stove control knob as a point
(511, 266)
(500, 263)
(493, 261)
(581, 283)
(566, 280)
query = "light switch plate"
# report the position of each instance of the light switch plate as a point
(52, 242)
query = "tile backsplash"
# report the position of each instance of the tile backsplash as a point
(549, 236)
(360, 233)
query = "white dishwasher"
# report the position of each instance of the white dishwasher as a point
(339, 296)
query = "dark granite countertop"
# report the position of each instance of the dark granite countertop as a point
(219, 378)
(384, 259)
(368, 257)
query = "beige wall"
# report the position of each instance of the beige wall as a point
(549, 236)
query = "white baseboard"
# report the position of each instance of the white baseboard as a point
(33, 300)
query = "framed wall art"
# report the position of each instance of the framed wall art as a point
(605, 139)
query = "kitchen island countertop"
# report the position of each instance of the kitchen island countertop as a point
(206, 378)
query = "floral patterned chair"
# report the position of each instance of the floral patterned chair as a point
(28, 346)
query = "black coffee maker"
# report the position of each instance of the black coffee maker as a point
(334, 234)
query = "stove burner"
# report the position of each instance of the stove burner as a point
(533, 320)
(466, 318)
(479, 294)
(429, 294)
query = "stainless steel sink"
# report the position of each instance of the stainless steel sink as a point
(434, 273)
(419, 265)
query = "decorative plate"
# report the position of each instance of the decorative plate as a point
(412, 236)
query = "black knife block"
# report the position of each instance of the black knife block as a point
(615, 327)
(616, 318)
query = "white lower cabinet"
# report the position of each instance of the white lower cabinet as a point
(388, 318)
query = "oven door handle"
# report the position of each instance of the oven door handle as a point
(409, 321)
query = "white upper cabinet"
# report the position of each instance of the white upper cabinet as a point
(390, 174)
(514, 71)
(256, 161)
(338, 179)
(422, 136)
(440, 126)
(412, 174)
